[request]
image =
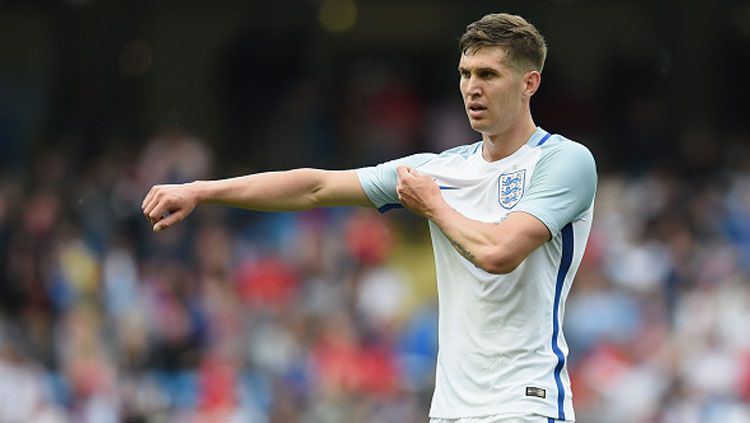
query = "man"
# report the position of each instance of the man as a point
(509, 218)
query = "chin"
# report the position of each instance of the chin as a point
(480, 126)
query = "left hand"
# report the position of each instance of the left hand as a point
(418, 192)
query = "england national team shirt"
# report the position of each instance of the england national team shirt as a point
(501, 346)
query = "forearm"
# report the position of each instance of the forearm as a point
(480, 243)
(476, 241)
(496, 248)
(292, 190)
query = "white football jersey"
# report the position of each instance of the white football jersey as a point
(501, 346)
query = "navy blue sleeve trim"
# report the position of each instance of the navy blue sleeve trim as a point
(390, 206)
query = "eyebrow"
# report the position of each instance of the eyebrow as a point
(480, 69)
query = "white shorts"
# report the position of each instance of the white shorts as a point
(526, 418)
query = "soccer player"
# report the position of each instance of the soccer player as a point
(509, 217)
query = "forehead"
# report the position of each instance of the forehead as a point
(484, 57)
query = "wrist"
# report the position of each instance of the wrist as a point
(199, 191)
(439, 213)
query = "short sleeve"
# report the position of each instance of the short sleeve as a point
(379, 182)
(562, 187)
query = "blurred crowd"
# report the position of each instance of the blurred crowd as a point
(658, 318)
(231, 316)
(329, 315)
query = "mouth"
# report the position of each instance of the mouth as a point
(476, 111)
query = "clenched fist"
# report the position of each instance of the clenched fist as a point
(166, 205)
(418, 192)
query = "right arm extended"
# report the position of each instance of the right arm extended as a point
(298, 189)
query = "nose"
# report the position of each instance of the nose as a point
(473, 87)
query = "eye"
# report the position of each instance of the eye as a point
(487, 74)
(464, 73)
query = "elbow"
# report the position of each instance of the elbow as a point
(311, 195)
(499, 262)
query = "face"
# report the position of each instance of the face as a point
(495, 95)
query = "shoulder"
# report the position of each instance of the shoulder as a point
(463, 151)
(560, 148)
(567, 162)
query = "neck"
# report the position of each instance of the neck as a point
(501, 145)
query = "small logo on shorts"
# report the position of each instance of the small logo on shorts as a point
(532, 391)
(510, 188)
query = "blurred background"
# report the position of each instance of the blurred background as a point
(330, 315)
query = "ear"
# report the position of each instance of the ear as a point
(531, 81)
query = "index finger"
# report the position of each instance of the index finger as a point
(146, 198)
(402, 170)
(413, 172)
